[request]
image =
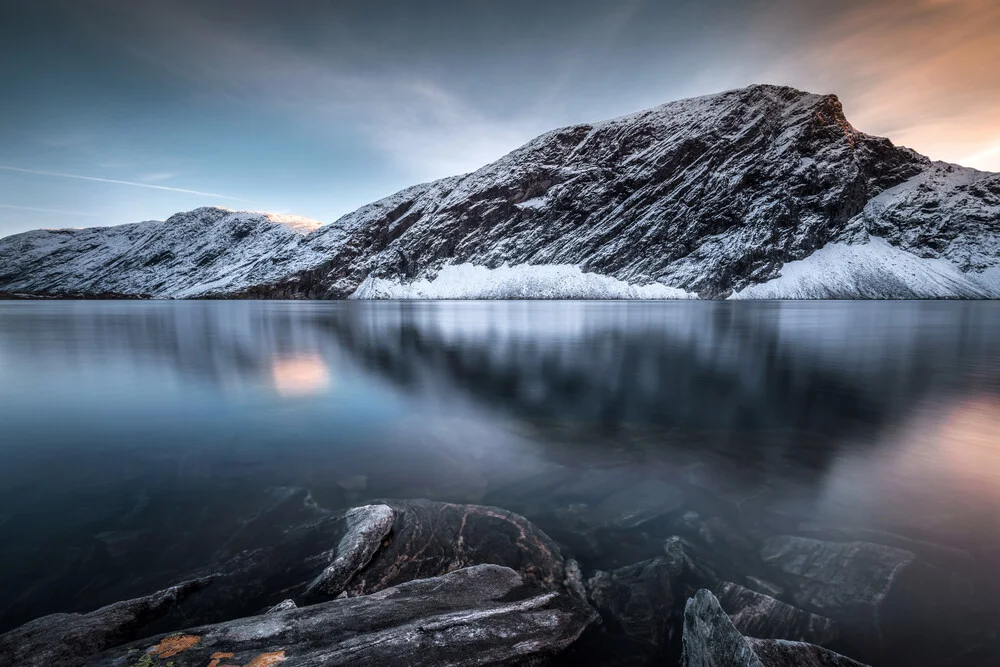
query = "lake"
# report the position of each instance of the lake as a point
(135, 437)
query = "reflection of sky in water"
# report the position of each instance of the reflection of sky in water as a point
(115, 418)
(937, 475)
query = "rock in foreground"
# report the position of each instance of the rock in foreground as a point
(711, 640)
(482, 615)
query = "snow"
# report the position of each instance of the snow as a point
(872, 270)
(533, 203)
(523, 281)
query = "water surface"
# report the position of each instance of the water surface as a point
(136, 436)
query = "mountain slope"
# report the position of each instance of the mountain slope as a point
(189, 254)
(712, 196)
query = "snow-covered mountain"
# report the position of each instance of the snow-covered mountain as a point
(763, 192)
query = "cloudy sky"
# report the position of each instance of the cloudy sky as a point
(116, 111)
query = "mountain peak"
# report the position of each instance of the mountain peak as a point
(712, 195)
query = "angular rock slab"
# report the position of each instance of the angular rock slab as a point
(638, 598)
(757, 615)
(482, 615)
(429, 539)
(843, 580)
(59, 640)
(781, 653)
(711, 640)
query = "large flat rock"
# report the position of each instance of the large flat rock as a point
(843, 580)
(481, 615)
(762, 616)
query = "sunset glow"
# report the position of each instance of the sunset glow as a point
(303, 375)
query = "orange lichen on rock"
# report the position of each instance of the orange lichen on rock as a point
(171, 646)
(267, 659)
(216, 657)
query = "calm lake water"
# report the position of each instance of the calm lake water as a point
(135, 436)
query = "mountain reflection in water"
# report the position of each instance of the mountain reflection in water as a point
(133, 434)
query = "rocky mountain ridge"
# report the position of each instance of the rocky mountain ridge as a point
(724, 195)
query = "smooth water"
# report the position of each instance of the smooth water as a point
(136, 436)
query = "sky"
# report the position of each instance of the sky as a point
(115, 111)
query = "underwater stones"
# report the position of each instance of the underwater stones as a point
(486, 614)
(61, 640)
(638, 598)
(843, 580)
(636, 504)
(757, 615)
(782, 653)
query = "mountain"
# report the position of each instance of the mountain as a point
(763, 192)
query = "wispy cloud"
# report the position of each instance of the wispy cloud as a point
(49, 210)
(117, 182)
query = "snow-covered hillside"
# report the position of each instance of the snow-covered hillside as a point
(207, 250)
(725, 195)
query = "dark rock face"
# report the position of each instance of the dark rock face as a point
(430, 538)
(710, 195)
(763, 617)
(638, 598)
(711, 640)
(482, 615)
(64, 639)
(844, 580)
(781, 653)
(645, 601)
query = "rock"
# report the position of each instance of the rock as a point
(637, 504)
(480, 615)
(63, 639)
(284, 605)
(781, 653)
(298, 554)
(843, 580)
(429, 539)
(366, 528)
(711, 639)
(574, 580)
(937, 554)
(637, 599)
(644, 601)
(764, 586)
(758, 615)
(693, 568)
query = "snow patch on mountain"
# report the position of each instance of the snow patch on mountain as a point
(873, 270)
(550, 281)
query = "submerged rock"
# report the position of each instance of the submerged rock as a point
(757, 615)
(781, 653)
(644, 601)
(65, 639)
(637, 504)
(844, 580)
(638, 598)
(481, 615)
(712, 640)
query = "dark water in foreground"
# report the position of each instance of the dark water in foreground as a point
(135, 436)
